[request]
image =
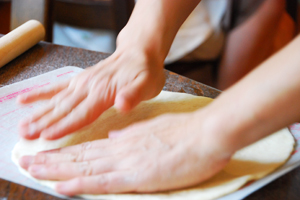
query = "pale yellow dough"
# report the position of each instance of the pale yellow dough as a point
(250, 163)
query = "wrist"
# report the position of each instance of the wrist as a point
(219, 129)
(205, 141)
(230, 126)
(142, 43)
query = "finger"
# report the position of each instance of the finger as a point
(60, 110)
(82, 147)
(36, 115)
(42, 93)
(46, 109)
(29, 129)
(132, 94)
(85, 113)
(59, 107)
(112, 182)
(81, 156)
(26, 161)
(68, 170)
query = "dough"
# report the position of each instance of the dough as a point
(250, 163)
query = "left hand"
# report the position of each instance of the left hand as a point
(168, 152)
(124, 79)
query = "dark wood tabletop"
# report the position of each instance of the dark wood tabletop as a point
(45, 57)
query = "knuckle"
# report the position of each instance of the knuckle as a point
(102, 182)
(86, 169)
(79, 157)
(71, 158)
(52, 101)
(132, 178)
(72, 84)
(55, 100)
(79, 183)
(85, 146)
(56, 111)
(62, 109)
(90, 115)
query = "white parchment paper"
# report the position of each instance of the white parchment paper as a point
(11, 113)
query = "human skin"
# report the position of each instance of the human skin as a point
(179, 150)
(268, 30)
(150, 156)
(134, 72)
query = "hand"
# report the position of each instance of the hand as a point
(167, 152)
(123, 79)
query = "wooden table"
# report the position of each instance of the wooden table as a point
(45, 57)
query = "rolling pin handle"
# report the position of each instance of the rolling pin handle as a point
(20, 40)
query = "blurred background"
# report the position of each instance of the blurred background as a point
(88, 24)
(94, 25)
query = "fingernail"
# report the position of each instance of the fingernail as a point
(48, 134)
(37, 171)
(25, 122)
(24, 131)
(32, 129)
(26, 161)
(62, 187)
(68, 188)
(121, 104)
(21, 98)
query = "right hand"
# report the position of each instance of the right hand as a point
(168, 152)
(124, 79)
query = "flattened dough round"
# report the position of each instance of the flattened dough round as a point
(250, 163)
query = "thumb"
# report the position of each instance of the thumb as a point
(135, 92)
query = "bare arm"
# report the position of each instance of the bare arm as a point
(199, 144)
(264, 101)
(133, 73)
(268, 30)
(192, 147)
(154, 24)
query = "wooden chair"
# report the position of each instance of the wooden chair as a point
(41, 10)
(102, 14)
(4, 16)
(106, 14)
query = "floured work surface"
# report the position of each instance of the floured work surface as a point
(259, 163)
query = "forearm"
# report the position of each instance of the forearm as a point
(261, 35)
(263, 102)
(154, 24)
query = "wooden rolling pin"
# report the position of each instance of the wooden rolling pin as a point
(19, 40)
